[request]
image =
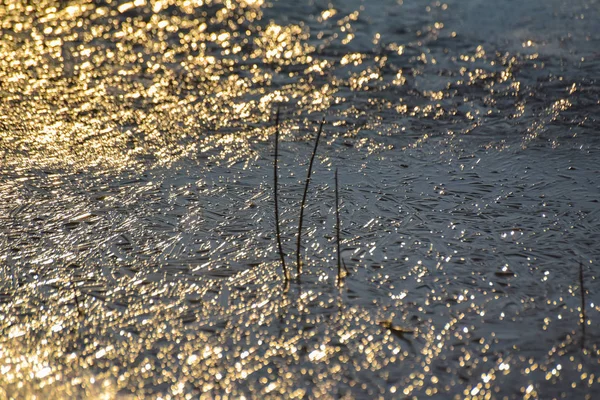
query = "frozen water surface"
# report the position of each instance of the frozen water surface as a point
(137, 244)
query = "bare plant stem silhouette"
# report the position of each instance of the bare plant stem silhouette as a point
(74, 288)
(301, 220)
(275, 194)
(337, 227)
(583, 317)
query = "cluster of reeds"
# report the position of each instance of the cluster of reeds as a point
(302, 207)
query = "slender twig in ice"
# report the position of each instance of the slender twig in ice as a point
(583, 317)
(12, 270)
(310, 165)
(337, 227)
(275, 193)
(74, 287)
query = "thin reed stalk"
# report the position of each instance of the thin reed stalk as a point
(79, 312)
(300, 221)
(276, 197)
(337, 227)
(583, 317)
(12, 270)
